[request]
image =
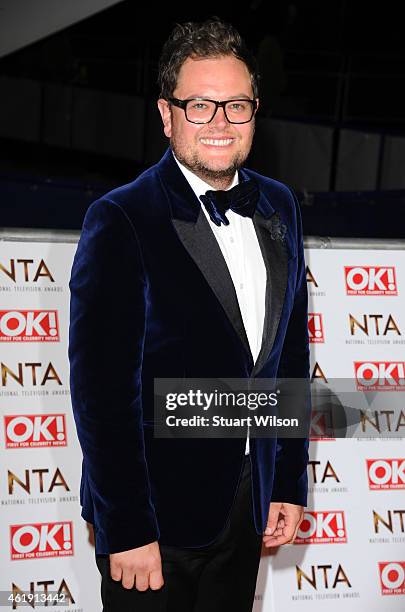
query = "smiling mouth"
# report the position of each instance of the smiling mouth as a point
(217, 142)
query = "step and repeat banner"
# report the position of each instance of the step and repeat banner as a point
(350, 549)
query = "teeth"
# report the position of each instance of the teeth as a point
(217, 143)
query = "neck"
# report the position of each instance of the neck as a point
(216, 180)
(223, 183)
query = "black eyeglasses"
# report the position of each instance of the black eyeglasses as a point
(202, 110)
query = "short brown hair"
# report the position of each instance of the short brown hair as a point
(210, 38)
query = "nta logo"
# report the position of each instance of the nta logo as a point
(26, 270)
(373, 324)
(324, 576)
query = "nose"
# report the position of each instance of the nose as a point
(220, 119)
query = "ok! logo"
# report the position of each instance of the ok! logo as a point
(392, 577)
(385, 474)
(315, 327)
(38, 540)
(380, 375)
(370, 280)
(322, 527)
(29, 326)
(35, 430)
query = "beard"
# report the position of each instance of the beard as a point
(196, 165)
(193, 162)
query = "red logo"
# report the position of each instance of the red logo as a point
(392, 577)
(326, 527)
(29, 326)
(315, 327)
(33, 430)
(380, 375)
(39, 540)
(370, 280)
(321, 426)
(386, 474)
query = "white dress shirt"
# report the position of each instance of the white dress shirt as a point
(241, 250)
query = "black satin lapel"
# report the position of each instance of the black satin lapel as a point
(275, 259)
(199, 240)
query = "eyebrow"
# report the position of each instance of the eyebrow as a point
(235, 97)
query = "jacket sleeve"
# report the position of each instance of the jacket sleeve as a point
(106, 334)
(291, 480)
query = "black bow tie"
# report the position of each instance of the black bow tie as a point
(242, 199)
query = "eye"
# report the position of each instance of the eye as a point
(198, 106)
(236, 107)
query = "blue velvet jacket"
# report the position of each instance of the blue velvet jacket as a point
(151, 296)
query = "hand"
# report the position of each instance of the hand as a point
(142, 566)
(282, 524)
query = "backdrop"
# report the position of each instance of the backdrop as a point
(350, 547)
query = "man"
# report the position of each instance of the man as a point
(168, 282)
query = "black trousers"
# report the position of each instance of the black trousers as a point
(215, 578)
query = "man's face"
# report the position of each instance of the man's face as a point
(213, 150)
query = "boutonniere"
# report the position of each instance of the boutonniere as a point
(278, 229)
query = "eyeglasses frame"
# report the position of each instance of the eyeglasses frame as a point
(183, 105)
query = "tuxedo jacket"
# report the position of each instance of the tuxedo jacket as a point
(152, 297)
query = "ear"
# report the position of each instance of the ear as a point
(257, 104)
(165, 113)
